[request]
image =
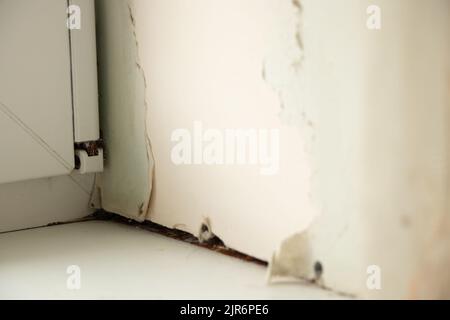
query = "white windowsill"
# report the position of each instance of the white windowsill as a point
(122, 262)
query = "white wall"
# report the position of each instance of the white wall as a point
(127, 178)
(204, 61)
(364, 126)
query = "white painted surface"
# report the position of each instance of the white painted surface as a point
(364, 125)
(128, 172)
(121, 262)
(36, 116)
(40, 202)
(382, 151)
(36, 125)
(204, 61)
(84, 74)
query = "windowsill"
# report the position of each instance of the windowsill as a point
(122, 262)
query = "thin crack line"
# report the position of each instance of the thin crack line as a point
(79, 185)
(10, 114)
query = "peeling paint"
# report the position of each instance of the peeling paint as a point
(145, 210)
(127, 180)
(353, 113)
(380, 152)
(282, 70)
(205, 233)
(292, 260)
(187, 81)
(207, 236)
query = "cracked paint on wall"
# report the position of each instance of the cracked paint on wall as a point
(126, 183)
(378, 123)
(364, 156)
(210, 70)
